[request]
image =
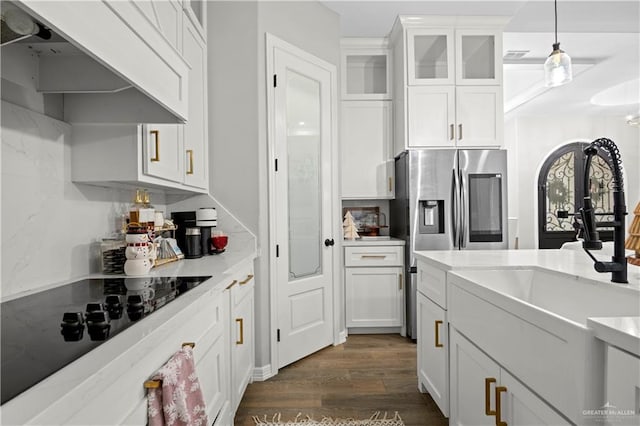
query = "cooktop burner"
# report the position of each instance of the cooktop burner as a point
(43, 332)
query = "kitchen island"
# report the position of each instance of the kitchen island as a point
(513, 329)
(105, 385)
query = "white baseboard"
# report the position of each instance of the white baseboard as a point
(260, 374)
(342, 337)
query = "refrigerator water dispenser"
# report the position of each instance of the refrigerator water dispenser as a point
(431, 217)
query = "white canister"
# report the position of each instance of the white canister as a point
(158, 220)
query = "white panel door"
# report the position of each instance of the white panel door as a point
(431, 116)
(303, 196)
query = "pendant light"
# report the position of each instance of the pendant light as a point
(557, 67)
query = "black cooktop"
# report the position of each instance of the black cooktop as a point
(43, 332)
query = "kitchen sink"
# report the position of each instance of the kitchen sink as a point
(568, 297)
(533, 322)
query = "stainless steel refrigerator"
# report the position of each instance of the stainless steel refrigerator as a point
(448, 200)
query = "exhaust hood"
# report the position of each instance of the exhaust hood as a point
(91, 64)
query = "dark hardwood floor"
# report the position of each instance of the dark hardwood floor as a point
(368, 373)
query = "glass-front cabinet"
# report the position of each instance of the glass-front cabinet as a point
(366, 65)
(454, 56)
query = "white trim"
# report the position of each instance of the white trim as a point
(273, 42)
(260, 374)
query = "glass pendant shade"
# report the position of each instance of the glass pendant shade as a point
(557, 68)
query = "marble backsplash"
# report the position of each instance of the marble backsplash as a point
(51, 226)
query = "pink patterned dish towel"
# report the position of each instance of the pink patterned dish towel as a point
(179, 401)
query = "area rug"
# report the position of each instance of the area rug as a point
(377, 419)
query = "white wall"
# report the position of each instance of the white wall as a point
(237, 107)
(531, 139)
(51, 227)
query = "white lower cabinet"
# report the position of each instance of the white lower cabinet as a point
(483, 393)
(433, 351)
(622, 387)
(374, 287)
(374, 297)
(242, 338)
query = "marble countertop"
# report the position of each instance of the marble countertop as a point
(374, 241)
(623, 332)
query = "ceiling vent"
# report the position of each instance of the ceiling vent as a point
(514, 55)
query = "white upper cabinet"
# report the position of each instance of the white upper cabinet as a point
(162, 151)
(450, 82)
(196, 10)
(461, 56)
(365, 150)
(366, 66)
(196, 161)
(119, 36)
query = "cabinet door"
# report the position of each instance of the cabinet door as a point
(165, 16)
(162, 151)
(520, 406)
(366, 73)
(374, 297)
(478, 57)
(431, 116)
(195, 130)
(474, 377)
(623, 386)
(242, 338)
(479, 116)
(433, 351)
(430, 58)
(366, 129)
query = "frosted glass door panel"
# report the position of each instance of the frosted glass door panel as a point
(304, 179)
(430, 57)
(367, 74)
(478, 57)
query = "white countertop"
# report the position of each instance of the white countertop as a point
(374, 241)
(623, 332)
(571, 262)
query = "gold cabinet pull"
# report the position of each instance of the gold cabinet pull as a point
(459, 132)
(400, 282)
(487, 399)
(190, 154)
(452, 130)
(234, 282)
(499, 390)
(372, 256)
(156, 136)
(247, 280)
(390, 185)
(241, 339)
(438, 323)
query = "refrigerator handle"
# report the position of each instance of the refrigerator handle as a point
(454, 209)
(463, 212)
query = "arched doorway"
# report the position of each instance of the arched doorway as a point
(560, 194)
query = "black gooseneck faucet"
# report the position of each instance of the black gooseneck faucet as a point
(618, 264)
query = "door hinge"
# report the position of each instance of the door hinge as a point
(275, 80)
(276, 164)
(278, 335)
(277, 250)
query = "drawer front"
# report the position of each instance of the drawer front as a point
(374, 256)
(432, 282)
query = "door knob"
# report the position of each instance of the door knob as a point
(329, 242)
